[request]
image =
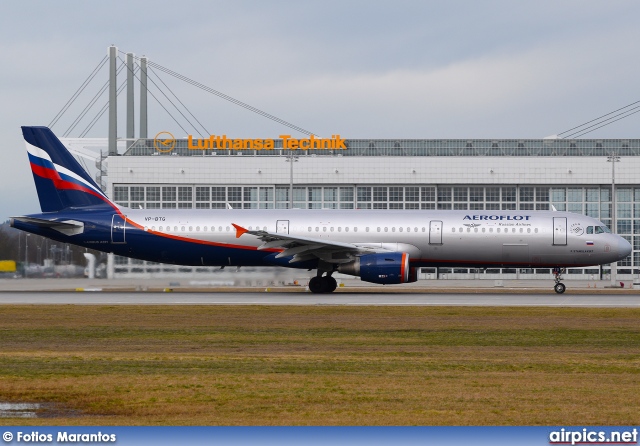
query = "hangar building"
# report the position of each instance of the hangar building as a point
(525, 174)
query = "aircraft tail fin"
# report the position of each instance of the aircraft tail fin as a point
(61, 182)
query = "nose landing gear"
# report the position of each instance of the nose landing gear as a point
(559, 287)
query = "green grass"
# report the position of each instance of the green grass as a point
(322, 365)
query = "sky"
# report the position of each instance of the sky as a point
(362, 69)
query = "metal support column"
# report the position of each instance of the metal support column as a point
(113, 105)
(613, 159)
(143, 97)
(130, 108)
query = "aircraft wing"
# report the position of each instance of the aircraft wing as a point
(305, 248)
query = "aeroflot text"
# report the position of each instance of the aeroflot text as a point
(497, 217)
(221, 142)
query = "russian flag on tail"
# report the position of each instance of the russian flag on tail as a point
(60, 180)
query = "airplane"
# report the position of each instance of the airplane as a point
(379, 246)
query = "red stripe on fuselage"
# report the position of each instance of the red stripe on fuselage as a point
(199, 241)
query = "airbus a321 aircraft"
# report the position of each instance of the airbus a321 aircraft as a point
(385, 247)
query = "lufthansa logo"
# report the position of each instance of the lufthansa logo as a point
(164, 142)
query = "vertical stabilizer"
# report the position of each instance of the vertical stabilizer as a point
(60, 180)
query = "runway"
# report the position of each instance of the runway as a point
(305, 298)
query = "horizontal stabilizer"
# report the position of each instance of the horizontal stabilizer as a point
(66, 227)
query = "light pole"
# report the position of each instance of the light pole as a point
(291, 158)
(26, 254)
(613, 159)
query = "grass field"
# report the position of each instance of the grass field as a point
(251, 365)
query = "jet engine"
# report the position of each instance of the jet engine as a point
(384, 268)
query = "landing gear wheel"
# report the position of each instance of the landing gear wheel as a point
(330, 284)
(317, 285)
(557, 274)
(326, 284)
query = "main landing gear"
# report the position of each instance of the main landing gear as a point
(559, 286)
(323, 284)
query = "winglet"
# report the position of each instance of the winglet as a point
(239, 230)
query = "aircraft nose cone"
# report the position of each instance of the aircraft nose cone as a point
(624, 248)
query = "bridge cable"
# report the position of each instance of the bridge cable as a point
(78, 92)
(227, 97)
(600, 122)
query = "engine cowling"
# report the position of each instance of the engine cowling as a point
(384, 268)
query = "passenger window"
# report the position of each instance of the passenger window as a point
(355, 229)
(160, 228)
(498, 230)
(400, 229)
(535, 230)
(205, 229)
(346, 229)
(324, 229)
(483, 229)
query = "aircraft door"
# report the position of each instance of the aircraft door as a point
(559, 230)
(118, 228)
(435, 232)
(282, 226)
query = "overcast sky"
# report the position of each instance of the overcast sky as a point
(401, 69)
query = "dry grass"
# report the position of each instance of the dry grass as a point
(322, 365)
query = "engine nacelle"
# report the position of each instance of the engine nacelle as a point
(384, 268)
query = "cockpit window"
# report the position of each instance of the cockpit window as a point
(602, 229)
(589, 229)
